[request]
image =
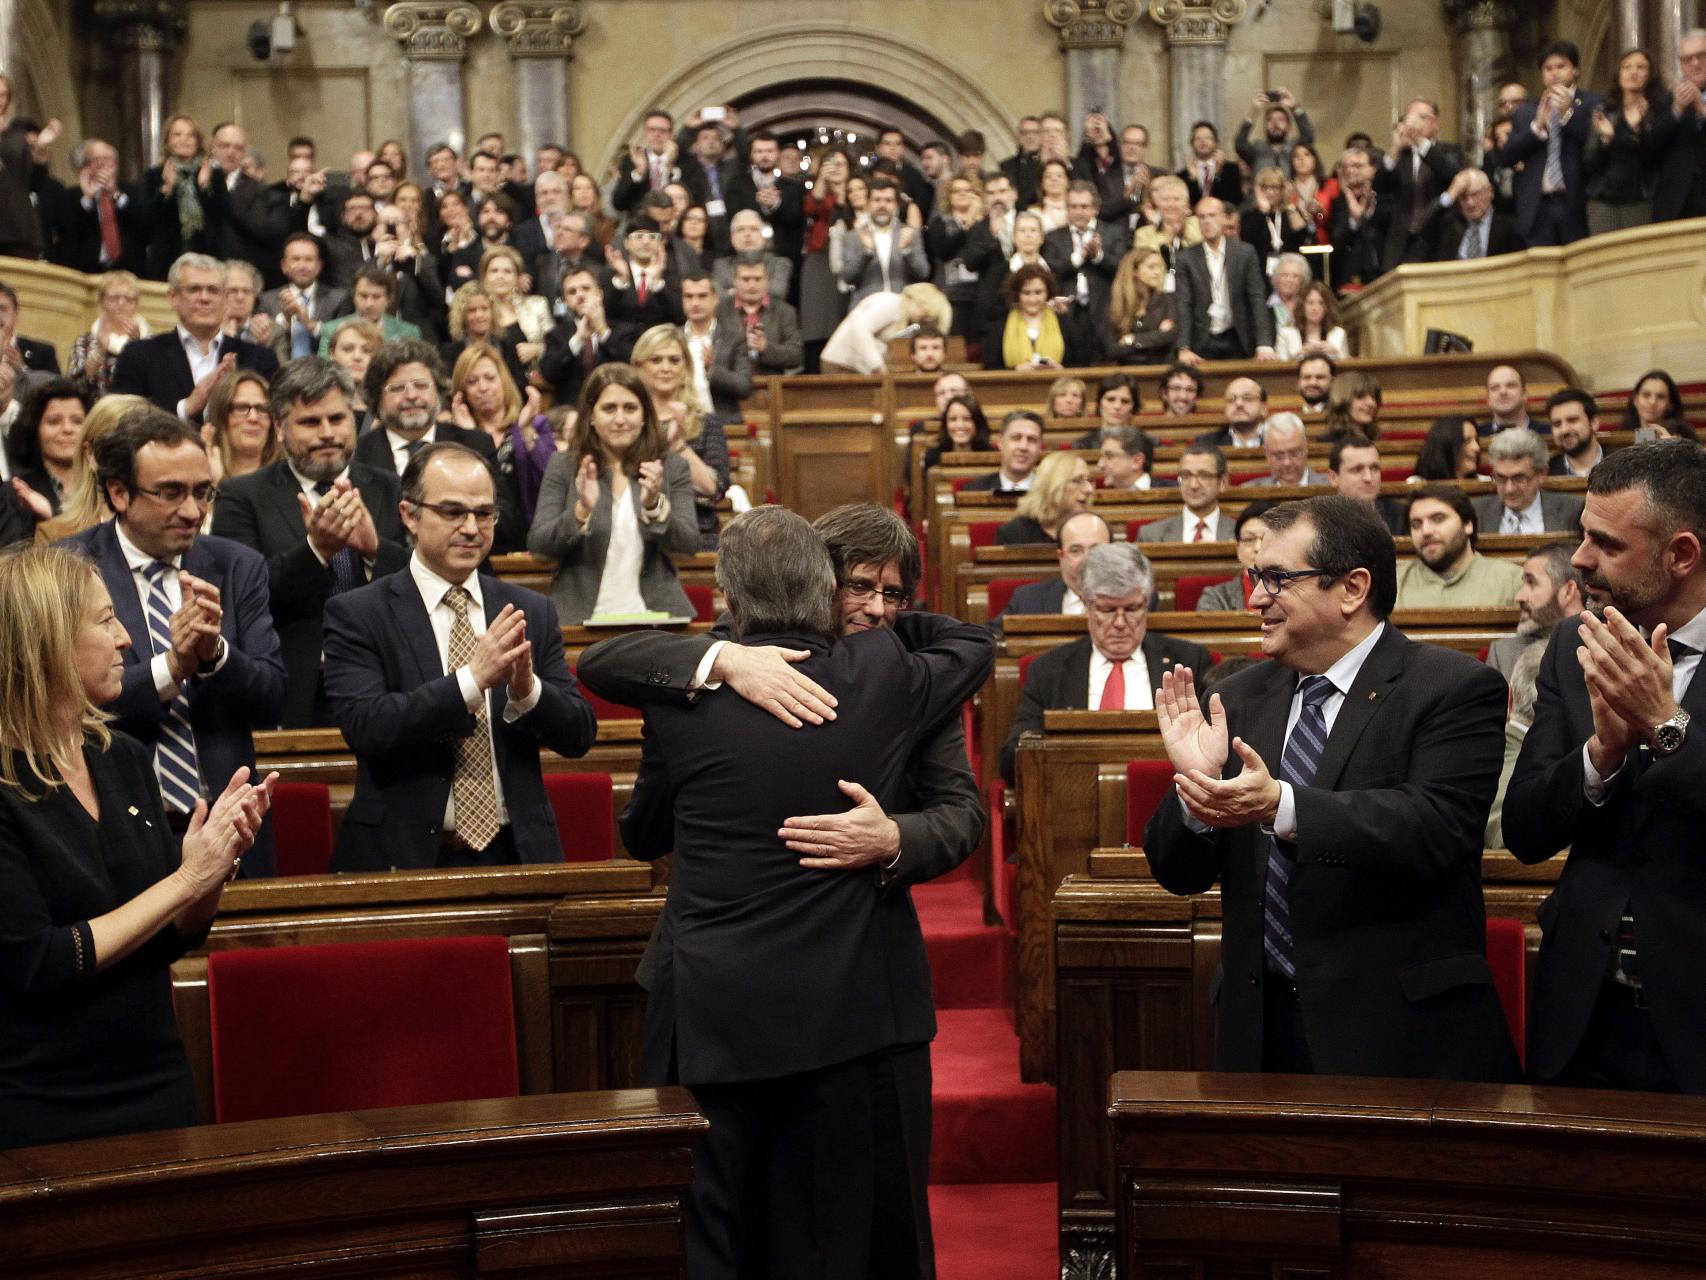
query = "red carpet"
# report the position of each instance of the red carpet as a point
(993, 1193)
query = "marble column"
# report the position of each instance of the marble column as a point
(1629, 25)
(541, 36)
(1483, 62)
(1196, 51)
(1092, 34)
(1674, 17)
(143, 33)
(434, 35)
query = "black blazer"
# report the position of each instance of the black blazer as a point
(1640, 849)
(1247, 294)
(629, 318)
(1386, 906)
(1046, 596)
(158, 369)
(373, 449)
(1228, 184)
(1358, 251)
(1098, 275)
(810, 971)
(246, 694)
(1060, 680)
(77, 234)
(787, 220)
(1530, 151)
(1502, 237)
(252, 222)
(1253, 231)
(1685, 152)
(403, 715)
(39, 357)
(260, 510)
(1399, 187)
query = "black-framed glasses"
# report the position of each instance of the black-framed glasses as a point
(859, 591)
(1274, 581)
(173, 495)
(456, 513)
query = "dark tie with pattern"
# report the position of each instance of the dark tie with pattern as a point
(346, 564)
(1298, 763)
(175, 762)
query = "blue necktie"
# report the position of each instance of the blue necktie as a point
(301, 337)
(1298, 763)
(174, 749)
(346, 565)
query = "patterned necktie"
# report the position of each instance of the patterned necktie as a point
(1512, 521)
(1202, 529)
(1552, 176)
(106, 214)
(1470, 247)
(174, 749)
(346, 564)
(1298, 763)
(472, 788)
(1113, 692)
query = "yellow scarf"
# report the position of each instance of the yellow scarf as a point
(1016, 345)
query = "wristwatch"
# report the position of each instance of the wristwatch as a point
(206, 668)
(1666, 738)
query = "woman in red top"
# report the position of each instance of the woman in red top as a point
(821, 301)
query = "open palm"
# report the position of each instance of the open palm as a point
(1194, 741)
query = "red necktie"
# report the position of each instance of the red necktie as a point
(1202, 528)
(640, 288)
(1113, 693)
(112, 248)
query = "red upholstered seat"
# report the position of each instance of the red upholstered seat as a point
(304, 1030)
(1003, 870)
(585, 813)
(1189, 588)
(1001, 592)
(969, 728)
(603, 710)
(704, 601)
(302, 827)
(1392, 475)
(982, 532)
(1132, 526)
(1025, 667)
(1507, 957)
(1146, 783)
(960, 482)
(1244, 477)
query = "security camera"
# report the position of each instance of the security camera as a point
(260, 40)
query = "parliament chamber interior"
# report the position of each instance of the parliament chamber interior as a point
(1094, 339)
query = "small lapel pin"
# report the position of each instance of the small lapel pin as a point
(1372, 695)
(134, 811)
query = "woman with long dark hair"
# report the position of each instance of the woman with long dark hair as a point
(1631, 131)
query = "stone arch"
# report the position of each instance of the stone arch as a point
(793, 52)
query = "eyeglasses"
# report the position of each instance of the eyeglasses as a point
(1274, 581)
(173, 495)
(248, 411)
(1109, 613)
(456, 513)
(420, 386)
(858, 590)
(1204, 476)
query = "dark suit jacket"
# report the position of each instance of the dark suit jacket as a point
(1530, 151)
(528, 239)
(1450, 226)
(1358, 251)
(373, 449)
(260, 510)
(1414, 198)
(40, 357)
(1639, 850)
(1098, 275)
(550, 267)
(814, 968)
(1253, 231)
(1228, 184)
(325, 303)
(1060, 680)
(158, 369)
(1386, 906)
(730, 374)
(403, 716)
(1559, 512)
(77, 235)
(1679, 167)
(629, 318)
(245, 694)
(787, 220)
(1024, 169)
(562, 368)
(1247, 294)
(1046, 596)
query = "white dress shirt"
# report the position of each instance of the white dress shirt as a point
(882, 248)
(203, 359)
(1342, 674)
(139, 560)
(1209, 522)
(1691, 633)
(1219, 305)
(1071, 604)
(699, 348)
(433, 590)
(400, 445)
(1138, 695)
(1529, 520)
(624, 557)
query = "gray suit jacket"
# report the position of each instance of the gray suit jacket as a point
(781, 274)
(1310, 476)
(1246, 296)
(861, 269)
(1223, 597)
(1172, 529)
(1559, 512)
(1502, 655)
(580, 555)
(327, 304)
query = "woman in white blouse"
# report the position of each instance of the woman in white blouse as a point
(615, 506)
(501, 270)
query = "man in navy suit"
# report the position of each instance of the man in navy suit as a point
(446, 683)
(178, 370)
(1343, 823)
(324, 523)
(1547, 139)
(1062, 593)
(203, 670)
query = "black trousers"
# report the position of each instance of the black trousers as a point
(1285, 1049)
(783, 1183)
(1619, 1049)
(1222, 346)
(902, 1246)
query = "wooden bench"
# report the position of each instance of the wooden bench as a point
(587, 1184)
(1289, 1176)
(1134, 979)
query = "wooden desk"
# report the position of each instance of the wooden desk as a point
(1134, 990)
(589, 1185)
(1291, 1176)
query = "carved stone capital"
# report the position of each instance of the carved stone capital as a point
(432, 30)
(539, 28)
(1481, 15)
(1198, 21)
(1090, 24)
(153, 26)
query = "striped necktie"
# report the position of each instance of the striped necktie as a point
(346, 564)
(174, 748)
(1298, 763)
(471, 786)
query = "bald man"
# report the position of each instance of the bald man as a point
(1468, 227)
(748, 243)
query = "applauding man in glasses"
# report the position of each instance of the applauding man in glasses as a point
(203, 667)
(446, 683)
(1337, 794)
